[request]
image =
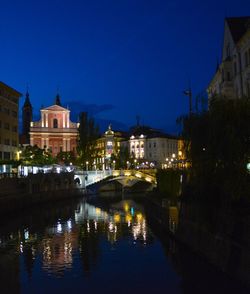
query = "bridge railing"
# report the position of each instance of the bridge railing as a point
(91, 177)
(136, 173)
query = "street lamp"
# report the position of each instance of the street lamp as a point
(127, 164)
(114, 164)
(189, 94)
(87, 163)
(18, 154)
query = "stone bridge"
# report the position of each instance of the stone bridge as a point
(129, 181)
(126, 178)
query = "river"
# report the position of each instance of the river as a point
(79, 246)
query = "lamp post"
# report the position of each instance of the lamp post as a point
(167, 161)
(87, 163)
(127, 164)
(113, 164)
(180, 159)
(189, 94)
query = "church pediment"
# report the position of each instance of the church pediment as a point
(55, 108)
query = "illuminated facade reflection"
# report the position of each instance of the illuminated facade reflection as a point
(79, 236)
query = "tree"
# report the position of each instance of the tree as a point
(66, 157)
(33, 155)
(218, 145)
(88, 133)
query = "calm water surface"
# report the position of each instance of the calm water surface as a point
(78, 246)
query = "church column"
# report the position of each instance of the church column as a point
(63, 119)
(47, 143)
(68, 120)
(46, 125)
(68, 144)
(42, 145)
(64, 144)
(42, 115)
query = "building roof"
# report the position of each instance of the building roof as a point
(15, 92)
(55, 108)
(149, 132)
(238, 26)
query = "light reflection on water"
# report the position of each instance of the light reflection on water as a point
(80, 242)
(81, 247)
(61, 241)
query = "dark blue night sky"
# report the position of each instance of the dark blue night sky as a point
(115, 59)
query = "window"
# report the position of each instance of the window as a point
(14, 143)
(6, 110)
(6, 141)
(154, 144)
(6, 155)
(14, 113)
(55, 123)
(14, 129)
(149, 145)
(228, 76)
(6, 126)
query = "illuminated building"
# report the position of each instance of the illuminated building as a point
(152, 146)
(232, 77)
(9, 101)
(54, 131)
(108, 148)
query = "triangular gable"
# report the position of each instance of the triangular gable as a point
(56, 108)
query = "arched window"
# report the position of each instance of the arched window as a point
(55, 123)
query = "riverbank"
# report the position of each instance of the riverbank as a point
(17, 194)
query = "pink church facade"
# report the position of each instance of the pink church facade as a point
(54, 131)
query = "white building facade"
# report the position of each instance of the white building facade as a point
(232, 77)
(153, 148)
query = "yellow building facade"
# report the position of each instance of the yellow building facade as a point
(9, 103)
